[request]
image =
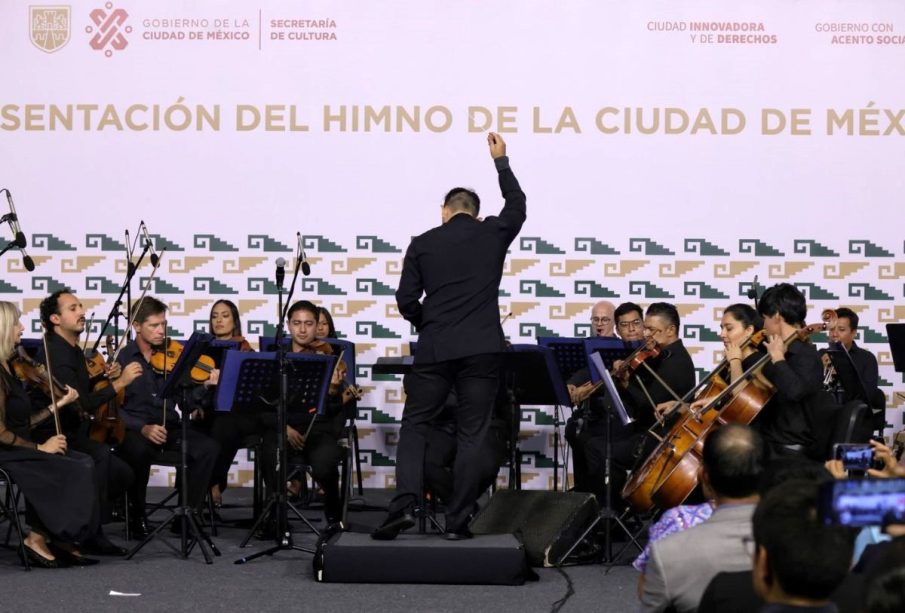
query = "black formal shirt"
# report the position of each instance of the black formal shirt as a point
(784, 419)
(143, 404)
(458, 267)
(674, 367)
(69, 368)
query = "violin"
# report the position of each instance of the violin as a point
(650, 349)
(34, 373)
(163, 360)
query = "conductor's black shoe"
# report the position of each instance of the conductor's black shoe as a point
(458, 535)
(139, 529)
(394, 524)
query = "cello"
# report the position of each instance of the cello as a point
(669, 474)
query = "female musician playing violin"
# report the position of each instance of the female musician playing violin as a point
(58, 485)
(325, 327)
(64, 319)
(226, 325)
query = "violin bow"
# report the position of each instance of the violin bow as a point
(53, 394)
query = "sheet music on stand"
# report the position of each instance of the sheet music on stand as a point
(609, 349)
(568, 352)
(247, 378)
(603, 374)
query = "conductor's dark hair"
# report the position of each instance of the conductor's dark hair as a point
(785, 299)
(666, 312)
(734, 459)
(463, 199)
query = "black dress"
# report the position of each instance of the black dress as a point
(59, 490)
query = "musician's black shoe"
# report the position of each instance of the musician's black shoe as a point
(395, 523)
(101, 546)
(139, 529)
(458, 535)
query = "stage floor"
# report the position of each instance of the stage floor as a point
(163, 581)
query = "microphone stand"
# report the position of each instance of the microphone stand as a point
(283, 533)
(126, 289)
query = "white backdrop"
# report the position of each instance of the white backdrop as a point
(100, 127)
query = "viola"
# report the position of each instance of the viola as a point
(108, 425)
(163, 360)
(648, 350)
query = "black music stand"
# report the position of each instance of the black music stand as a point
(535, 380)
(610, 351)
(246, 379)
(896, 335)
(178, 384)
(601, 371)
(568, 353)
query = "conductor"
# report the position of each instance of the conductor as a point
(457, 267)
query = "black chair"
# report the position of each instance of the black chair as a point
(9, 511)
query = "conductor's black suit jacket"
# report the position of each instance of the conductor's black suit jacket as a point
(458, 267)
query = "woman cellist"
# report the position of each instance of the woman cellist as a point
(58, 485)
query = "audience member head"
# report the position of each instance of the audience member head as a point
(733, 462)
(797, 560)
(884, 586)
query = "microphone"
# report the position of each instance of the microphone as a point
(752, 292)
(306, 267)
(281, 271)
(20, 240)
(149, 243)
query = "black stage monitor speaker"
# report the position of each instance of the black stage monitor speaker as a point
(548, 523)
(350, 557)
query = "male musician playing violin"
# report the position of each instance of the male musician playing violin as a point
(659, 381)
(583, 425)
(63, 317)
(794, 369)
(315, 437)
(154, 418)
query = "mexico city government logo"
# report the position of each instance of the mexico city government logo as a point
(49, 27)
(108, 29)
